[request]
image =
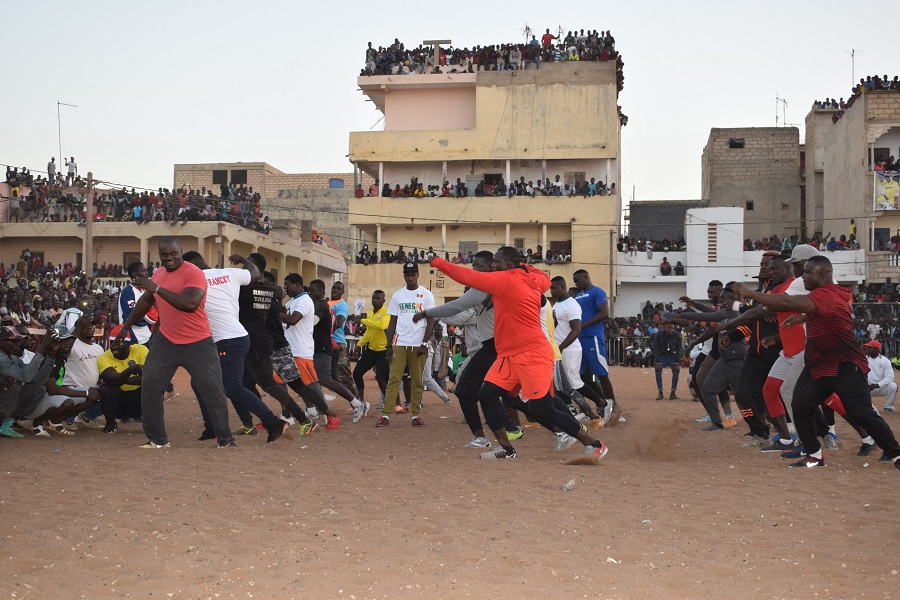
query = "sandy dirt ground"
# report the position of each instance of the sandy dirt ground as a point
(671, 512)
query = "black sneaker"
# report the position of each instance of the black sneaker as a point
(228, 445)
(659, 396)
(778, 446)
(884, 457)
(809, 461)
(276, 431)
(866, 449)
(206, 435)
(111, 427)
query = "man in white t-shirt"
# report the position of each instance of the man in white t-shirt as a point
(81, 373)
(407, 343)
(881, 375)
(232, 341)
(299, 318)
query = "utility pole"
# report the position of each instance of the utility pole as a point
(88, 228)
(219, 241)
(62, 160)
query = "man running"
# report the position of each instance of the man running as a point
(374, 346)
(184, 339)
(524, 357)
(594, 310)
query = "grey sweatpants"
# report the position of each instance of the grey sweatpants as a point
(201, 361)
(20, 401)
(723, 374)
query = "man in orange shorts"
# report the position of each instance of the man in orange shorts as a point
(524, 357)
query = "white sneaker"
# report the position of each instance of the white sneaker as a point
(478, 442)
(564, 441)
(329, 397)
(312, 413)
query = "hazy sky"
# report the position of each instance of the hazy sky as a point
(164, 82)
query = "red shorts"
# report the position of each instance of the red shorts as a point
(307, 370)
(531, 371)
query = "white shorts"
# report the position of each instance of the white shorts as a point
(49, 402)
(783, 365)
(567, 370)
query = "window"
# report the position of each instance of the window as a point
(220, 177)
(749, 204)
(335, 184)
(519, 244)
(492, 178)
(736, 143)
(881, 155)
(785, 207)
(466, 247)
(239, 177)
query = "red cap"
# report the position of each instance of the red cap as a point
(873, 344)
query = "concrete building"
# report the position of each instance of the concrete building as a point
(658, 219)
(868, 132)
(287, 198)
(291, 250)
(757, 169)
(490, 126)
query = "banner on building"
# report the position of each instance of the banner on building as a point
(887, 188)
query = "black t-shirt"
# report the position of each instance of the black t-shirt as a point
(255, 301)
(322, 330)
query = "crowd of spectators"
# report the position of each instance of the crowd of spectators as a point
(519, 187)
(633, 245)
(824, 243)
(64, 200)
(870, 83)
(400, 256)
(397, 59)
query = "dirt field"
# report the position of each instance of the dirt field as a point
(408, 513)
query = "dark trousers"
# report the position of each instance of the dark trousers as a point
(119, 404)
(200, 359)
(231, 359)
(469, 384)
(749, 396)
(258, 371)
(549, 412)
(852, 386)
(368, 360)
(20, 400)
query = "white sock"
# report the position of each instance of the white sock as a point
(787, 440)
(831, 429)
(816, 454)
(868, 441)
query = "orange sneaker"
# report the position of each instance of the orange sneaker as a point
(729, 422)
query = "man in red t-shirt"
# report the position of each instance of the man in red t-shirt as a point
(524, 355)
(548, 38)
(183, 340)
(835, 362)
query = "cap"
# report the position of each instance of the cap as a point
(4, 310)
(129, 335)
(36, 299)
(62, 332)
(802, 252)
(410, 267)
(10, 333)
(873, 344)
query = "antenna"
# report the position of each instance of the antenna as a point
(784, 104)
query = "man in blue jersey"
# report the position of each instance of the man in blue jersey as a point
(594, 310)
(128, 299)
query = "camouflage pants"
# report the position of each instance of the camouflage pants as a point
(283, 362)
(344, 373)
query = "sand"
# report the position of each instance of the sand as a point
(408, 513)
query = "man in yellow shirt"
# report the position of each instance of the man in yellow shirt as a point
(373, 344)
(121, 368)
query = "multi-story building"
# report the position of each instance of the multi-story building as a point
(491, 127)
(760, 170)
(853, 184)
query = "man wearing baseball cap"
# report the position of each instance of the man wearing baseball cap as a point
(121, 369)
(26, 381)
(881, 375)
(407, 343)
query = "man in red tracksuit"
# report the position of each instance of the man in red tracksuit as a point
(524, 355)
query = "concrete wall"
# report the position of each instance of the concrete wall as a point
(714, 239)
(818, 124)
(430, 108)
(659, 220)
(765, 171)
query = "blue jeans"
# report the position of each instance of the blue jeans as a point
(231, 358)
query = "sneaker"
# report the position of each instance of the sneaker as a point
(756, 441)
(383, 422)
(399, 409)
(6, 430)
(357, 413)
(228, 445)
(418, 422)
(312, 413)
(866, 449)
(797, 452)
(498, 454)
(478, 442)
(809, 461)
(206, 435)
(151, 446)
(110, 427)
(778, 446)
(660, 396)
(564, 441)
(366, 406)
(82, 419)
(598, 451)
(729, 422)
(830, 441)
(888, 409)
(244, 430)
(672, 396)
(171, 395)
(277, 431)
(515, 435)
(445, 398)
(884, 457)
(713, 427)
(703, 419)
(608, 410)
(307, 428)
(289, 420)
(332, 423)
